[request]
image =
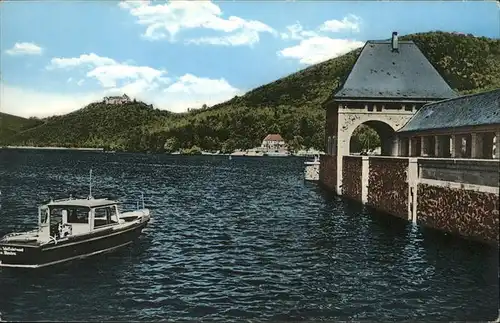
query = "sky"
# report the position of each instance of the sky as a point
(58, 56)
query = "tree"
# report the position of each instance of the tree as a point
(171, 145)
(228, 147)
(295, 144)
(364, 139)
(195, 150)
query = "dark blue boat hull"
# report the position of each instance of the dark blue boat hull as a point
(33, 256)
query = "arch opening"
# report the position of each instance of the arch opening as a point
(372, 138)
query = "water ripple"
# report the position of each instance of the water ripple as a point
(245, 239)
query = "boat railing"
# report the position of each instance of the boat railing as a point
(14, 234)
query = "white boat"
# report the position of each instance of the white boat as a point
(311, 172)
(277, 153)
(70, 229)
(316, 161)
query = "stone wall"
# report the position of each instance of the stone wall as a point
(351, 174)
(468, 213)
(459, 196)
(388, 185)
(467, 171)
(328, 172)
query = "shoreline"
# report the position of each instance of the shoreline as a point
(52, 148)
(234, 154)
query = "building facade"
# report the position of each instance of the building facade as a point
(388, 83)
(273, 142)
(117, 99)
(464, 127)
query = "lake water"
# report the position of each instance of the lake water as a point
(233, 240)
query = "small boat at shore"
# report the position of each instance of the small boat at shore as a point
(315, 161)
(70, 229)
(277, 153)
(311, 172)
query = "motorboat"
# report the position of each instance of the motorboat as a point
(311, 171)
(277, 153)
(315, 161)
(73, 228)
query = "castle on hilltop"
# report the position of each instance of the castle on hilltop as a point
(117, 99)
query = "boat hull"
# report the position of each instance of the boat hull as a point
(35, 256)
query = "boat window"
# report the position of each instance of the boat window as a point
(104, 216)
(55, 216)
(112, 214)
(78, 214)
(44, 215)
(101, 217)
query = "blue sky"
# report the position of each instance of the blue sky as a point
(58, 56)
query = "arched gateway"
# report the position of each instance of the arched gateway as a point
(389, 82)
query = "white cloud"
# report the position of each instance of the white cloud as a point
(28, 103)
(193, 85)
(297, 32)
(188, 91)
(109, 75)
(141, 82)
(317, 49)
(314, 46)
(165, 21)
(25, 49)
(350, 22)
(85, 59)
(109, 72)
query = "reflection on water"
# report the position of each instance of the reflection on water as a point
(236, 239)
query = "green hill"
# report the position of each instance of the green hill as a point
(96, 125)
(10, 124)
(290, 106)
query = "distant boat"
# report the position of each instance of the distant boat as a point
(316, 161)
(311, 172)
(277, 154)
(70, 229)
(230, 158)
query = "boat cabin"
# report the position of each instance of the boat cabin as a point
(69, 217)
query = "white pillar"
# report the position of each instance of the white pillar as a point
(395, 146)
(438, 146)
(413, 179)
(343, 139)
(497, 145)
(365, 175)
(339, 173)
(423, 146)
(456, 146)
(476, 145)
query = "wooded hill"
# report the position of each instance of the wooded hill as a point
(290, 106)
(11, 125)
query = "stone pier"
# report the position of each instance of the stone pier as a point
(459, 196)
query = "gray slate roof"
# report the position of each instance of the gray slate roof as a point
(381, 73)
(469, 110)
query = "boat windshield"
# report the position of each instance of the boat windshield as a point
(55, 216)
(75, 214)
(44, 215)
